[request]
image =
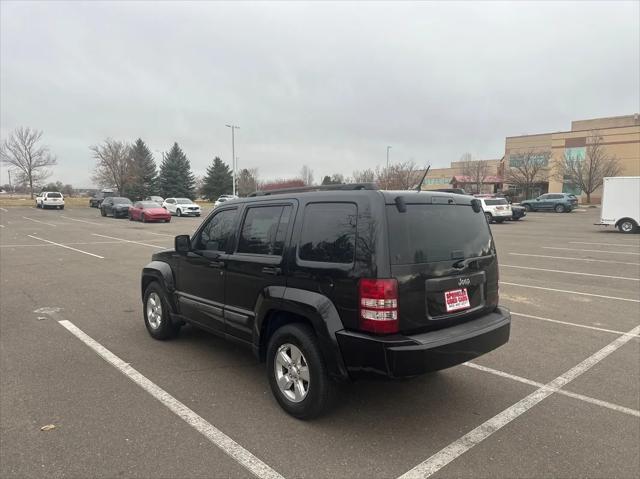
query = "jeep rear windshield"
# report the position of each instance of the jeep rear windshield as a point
(426, 233)
(497, 201)
(54, 195)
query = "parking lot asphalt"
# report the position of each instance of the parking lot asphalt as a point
(561, 399)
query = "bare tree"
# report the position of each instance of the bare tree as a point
(306, 174)
(527, 169)
(113, 164)
(364, 176)
(31, 160)
(398, 176)
(476, 170)
(588, 172)
(247, 181)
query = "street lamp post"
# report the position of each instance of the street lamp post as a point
(388, 172)
(233, 154)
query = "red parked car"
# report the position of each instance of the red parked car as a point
(148, 211)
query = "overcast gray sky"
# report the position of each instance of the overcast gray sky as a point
(326, 84)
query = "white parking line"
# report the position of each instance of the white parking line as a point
(582, 397)
(131, 241)
(64, 244)
(1, 226)
(5, 210)
(571, 292)
(589, 260)
(502, 265)
(607, 244)
(38, 221)
(497, 422)
(590, 250)
(67, 247)
(82, 221)
(208, 430)
(160, 234)
(595, 328)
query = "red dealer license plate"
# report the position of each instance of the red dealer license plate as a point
(456, 299)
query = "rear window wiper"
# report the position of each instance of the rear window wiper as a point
(463, 263)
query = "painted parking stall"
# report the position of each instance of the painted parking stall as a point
(574, 347)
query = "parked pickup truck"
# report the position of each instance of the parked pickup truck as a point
(96, 201)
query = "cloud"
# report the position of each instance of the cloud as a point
(323, 83)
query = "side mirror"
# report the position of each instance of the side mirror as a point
(476, 205)
(182, 244)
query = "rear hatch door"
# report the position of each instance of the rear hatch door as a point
(443, 257)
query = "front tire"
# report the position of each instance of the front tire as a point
(297, 372)
(143, 218)
(489, 217)
(103, 212)
(179, 212)
(559, 209)
(157, 313)
(627, 226)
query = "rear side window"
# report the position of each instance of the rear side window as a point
(428, 233)
(328, 233)
(498, 201)
(264, 229)
(217, 232)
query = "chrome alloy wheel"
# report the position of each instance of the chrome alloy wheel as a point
(154, 310)
(292, 372)
(626, 226)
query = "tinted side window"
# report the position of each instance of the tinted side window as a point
(264, 229)
(556, 197)
(217, 232)
(328, 233)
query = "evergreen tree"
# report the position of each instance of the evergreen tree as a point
(143, 172)
(218, 180)
(176, 178)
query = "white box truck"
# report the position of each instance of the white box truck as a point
(621, 203)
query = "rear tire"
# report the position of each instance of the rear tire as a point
(157, 313)
(627, 226)
(143, 218)
(559, 209)
(489, 217)
(300, 397)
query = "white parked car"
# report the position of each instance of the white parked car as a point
(50, 199)
(222, 199)
(181, 207)
(496, 210)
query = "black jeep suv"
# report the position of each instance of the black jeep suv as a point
(335, 283)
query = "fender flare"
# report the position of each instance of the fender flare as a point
(162, 272)
(316, 308)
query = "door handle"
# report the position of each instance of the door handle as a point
(217, 264)
(271, 270)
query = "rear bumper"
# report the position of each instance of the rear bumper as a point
(401, 356)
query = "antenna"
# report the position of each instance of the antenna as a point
(426, 172)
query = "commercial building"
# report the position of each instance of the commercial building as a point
(455, 177)
(620, 139)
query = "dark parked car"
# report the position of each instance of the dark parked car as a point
(96, 200)
(558, 202)
(148, 211)
(334, 283)
(116, 206)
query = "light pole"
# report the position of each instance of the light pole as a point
(388, 148)
(233, 154)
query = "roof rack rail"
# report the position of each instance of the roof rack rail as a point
(304, 189)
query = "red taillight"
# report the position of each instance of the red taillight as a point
(378, 305)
